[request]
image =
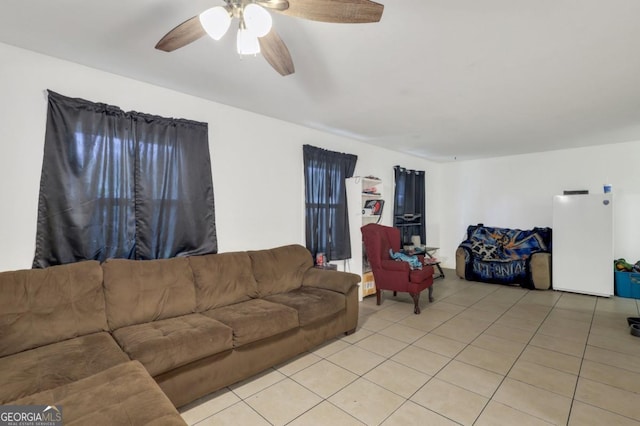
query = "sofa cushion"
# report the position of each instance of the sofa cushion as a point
(121, 395)
(140, 291)
(255, 320)
(57, 364)
(280, 269)
(312, 304)
(42, 306)
(222, 279)
(166, 344)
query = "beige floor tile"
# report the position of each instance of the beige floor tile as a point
(497, 414)
(208, 405)
(537, 402)
(421, 322)
(397, 378)
(324, 378)
(411, 413)
(472, 378)
(477, 314)
(256, 383)
(441, 345)
(463, 299)
(616, 359)
(462, 330)
(356, 359)
(544, 377)
(528, 324)
(367, 402)
(449, 307)
(609, 375)
(559, 361)
(394, 313)
(584, 414)
(510, 333)
(326, 414)
(277, 405)
(565, 328)
(382, 345)
(489, 360)
(403, 333)
(584, 316)
(450, 401)
(298, 363)
(422, 360)
(628, 344)
(434, 314)
(617, 305)
(372, 323)
(238, 414)
(497, 344)
(577, 302)
(545, 298)
(359, 334)
(608, 398)
(330, 348)
(492, 305)
(558, 344)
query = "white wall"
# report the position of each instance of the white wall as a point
(256, 160)
(517, 191)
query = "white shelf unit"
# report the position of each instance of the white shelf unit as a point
(356, 198)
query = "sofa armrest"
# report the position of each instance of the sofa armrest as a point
(338, 281)
(460, 262)
(541, 270)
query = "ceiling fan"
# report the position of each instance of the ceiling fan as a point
(255, 33)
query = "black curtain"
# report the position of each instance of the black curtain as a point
(409, 213)
(121, 184)
(326, 215)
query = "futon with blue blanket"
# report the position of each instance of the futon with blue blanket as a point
(506, 256)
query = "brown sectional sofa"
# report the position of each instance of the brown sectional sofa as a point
(193, 324)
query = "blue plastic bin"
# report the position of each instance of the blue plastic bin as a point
(627, 284)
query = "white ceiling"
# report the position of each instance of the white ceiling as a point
(440, 79)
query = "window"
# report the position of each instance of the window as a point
(409, 214)
(326, 216)
(122, 185)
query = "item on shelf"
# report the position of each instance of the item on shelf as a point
(375, 206)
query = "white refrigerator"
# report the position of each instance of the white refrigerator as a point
(582, 244)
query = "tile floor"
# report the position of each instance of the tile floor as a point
(481, 354)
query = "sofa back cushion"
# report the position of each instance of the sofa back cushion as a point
(43, 306)
(222, 279)
(139, 291)
(280, 269)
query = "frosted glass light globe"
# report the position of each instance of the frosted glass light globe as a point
(247, 42)
(215, 21)
(257, 19)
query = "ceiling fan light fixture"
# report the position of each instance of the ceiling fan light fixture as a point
(247, 42)
(257, 19)
(215, 21)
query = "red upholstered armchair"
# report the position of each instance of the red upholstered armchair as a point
(391, 274)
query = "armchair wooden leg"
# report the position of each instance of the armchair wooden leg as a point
(416, 302)
(431, 294)
(378, 293)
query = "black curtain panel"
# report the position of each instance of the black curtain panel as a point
(326, 215)
(118, 184)
(409, 212)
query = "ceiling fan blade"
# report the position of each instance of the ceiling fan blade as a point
(336, 11)
(276, 53)
(185, 33)
(273, 4)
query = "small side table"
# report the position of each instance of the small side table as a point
(428, 251)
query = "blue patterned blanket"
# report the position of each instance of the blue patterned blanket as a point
(502, 255)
